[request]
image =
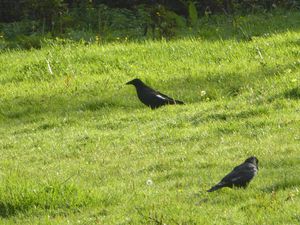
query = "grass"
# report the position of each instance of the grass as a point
(77, 147)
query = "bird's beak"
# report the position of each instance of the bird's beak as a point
(129, 82)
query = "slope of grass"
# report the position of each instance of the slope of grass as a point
(77, 147)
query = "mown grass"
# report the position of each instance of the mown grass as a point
(78, 147)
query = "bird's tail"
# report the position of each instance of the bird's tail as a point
(216, 187)
(178, 102)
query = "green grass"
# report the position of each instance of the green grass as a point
(77, 147)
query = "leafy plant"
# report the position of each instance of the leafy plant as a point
(193, 13)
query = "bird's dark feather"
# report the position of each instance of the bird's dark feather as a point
(240, 176)
(150, 97)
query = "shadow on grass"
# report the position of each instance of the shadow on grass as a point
(282, 185)
(188, 88)
(95, 105)
(19, 199)
(293, 93)
(7, 210)
(64, 104)
(245, 27)
(226, 85)
(227, 116)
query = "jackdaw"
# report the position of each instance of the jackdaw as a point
(150, 97)
(240, 176)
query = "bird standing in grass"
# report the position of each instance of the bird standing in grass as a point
(150, 97)
(240, 176)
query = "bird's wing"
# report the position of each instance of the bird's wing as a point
(157, 94)
(171, 100)
(241, 173)
(165, 97)
(160, 96)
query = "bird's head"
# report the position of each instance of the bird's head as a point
(252, 160)
(136, 82)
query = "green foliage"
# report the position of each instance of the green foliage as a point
(167, 25)
(13, 30)
(193, 14)
(84, 20)
(168, 22)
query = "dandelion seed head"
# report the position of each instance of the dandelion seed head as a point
(149, 182)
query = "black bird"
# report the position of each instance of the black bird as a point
(240, 176)
(150, 97)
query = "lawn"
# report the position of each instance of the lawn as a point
(77, 146)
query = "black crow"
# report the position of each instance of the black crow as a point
(150, 97)
(240, 176)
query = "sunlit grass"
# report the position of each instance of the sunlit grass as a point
(78, 147)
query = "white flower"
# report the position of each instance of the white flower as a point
(149, 182)
(203, 93)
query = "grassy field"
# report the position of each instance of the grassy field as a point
(77, 147)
